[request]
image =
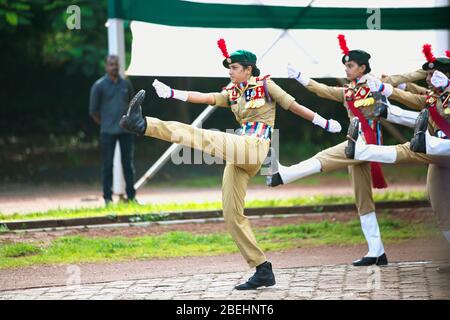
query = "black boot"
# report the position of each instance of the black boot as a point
(418, 141)
(274, 180)
(369, 261)
(133, 121)
(352, 136)
(263, 277)
(445, 269)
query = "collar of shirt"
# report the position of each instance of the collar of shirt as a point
(252, 81)
(119, 79)
(363, 79)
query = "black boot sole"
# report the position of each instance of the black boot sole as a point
(274, 180)
(417, 143)
(352, 133)
(136, 101)
(445, 269)
(250, 286)
(263, 277)
(129, 121)
(366, 262)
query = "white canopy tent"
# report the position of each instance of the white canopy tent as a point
(192, 52)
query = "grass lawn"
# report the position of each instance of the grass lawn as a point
(195, 179)
(132, 209)
(79, 249)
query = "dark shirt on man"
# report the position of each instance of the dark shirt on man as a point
(110, 100)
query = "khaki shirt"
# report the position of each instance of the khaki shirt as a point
(363, 96)
(407, 78)
(415, 88)
(419, 102)
(337, 93)
(251, 102)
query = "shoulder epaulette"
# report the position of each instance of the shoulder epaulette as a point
(263, 78)
(229, 88)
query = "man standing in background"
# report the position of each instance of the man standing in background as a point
(109, 100)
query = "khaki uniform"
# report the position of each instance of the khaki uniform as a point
(407, 78)
(415, 88)
(419, 102)
(334, 158)
(243, 154)
(439, 170)
(438, 176)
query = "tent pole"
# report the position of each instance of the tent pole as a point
(116, 46)
(172, 149)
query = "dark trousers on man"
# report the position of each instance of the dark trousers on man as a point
(108, 144)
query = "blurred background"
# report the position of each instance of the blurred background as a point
(48, 138)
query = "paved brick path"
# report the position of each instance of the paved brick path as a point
(407, 280)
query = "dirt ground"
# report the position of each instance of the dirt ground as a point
(417, 215)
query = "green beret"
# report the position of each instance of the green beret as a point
(240, 56)
(441, 64)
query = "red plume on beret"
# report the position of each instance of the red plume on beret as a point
(447, 53)
(343, 44)
(428, 54)
(223, 48)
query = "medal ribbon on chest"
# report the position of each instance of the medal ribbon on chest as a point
(363, 97)
(445, 102)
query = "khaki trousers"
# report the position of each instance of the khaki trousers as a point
(438, 180)
(334, 158)
(438, 184)
(244, 156)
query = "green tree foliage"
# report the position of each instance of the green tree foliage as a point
(38, 30)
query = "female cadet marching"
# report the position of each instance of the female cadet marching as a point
(252, 99)
(433, 121)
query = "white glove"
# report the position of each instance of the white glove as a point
(293, 73)
(165, 92)
(330, 125)
(375, 85)
(439, 80)
(334, 126)
(402, 86)
(162, 90)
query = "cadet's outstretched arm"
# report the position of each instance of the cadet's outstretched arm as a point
(397, 79)
(306, 113)
(322, 90)
(411, 100)
(166, 92)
